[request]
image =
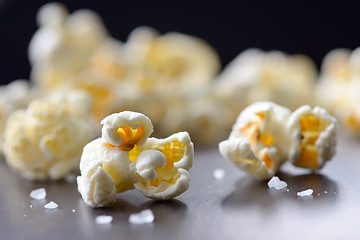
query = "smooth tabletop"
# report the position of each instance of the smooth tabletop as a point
(236, 207)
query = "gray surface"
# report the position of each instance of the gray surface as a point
(237, 207)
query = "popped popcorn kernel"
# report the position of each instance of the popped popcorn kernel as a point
(313, 133)
(45, 141)
(125, 158)
(174, 157)
(258, 142)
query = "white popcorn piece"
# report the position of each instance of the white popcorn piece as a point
(38, 194)
(126, 129)
(259, 143)
(313, 134)
(46, 140)
(105, 171)
(125, 158)
(276, 183)
(145, 216)
(51, 205)
(170, 179)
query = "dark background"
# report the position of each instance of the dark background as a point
(311, 28)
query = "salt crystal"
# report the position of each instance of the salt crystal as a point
(325, 191)
(73, 210)
(38, 194)
(30, 206)
(219, 173)
(102, 219)
(276, 183)
(305, 193)
(24, 215)
(51, 205)
(145, 216)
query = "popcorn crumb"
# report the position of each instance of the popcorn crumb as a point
(103, 219)
(305, 193)
(219, 174)
(276, 183)
(51, 205)
(145, 216)
(38, 194)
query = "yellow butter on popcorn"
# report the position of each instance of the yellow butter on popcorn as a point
(45, 140)
(313, 135)
(258, 143)
(125, 158)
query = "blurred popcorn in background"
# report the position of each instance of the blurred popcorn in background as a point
(174, 78)
(339, 87)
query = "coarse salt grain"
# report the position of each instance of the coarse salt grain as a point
(305, 193)
(219, 173)
(38, 194)
(73, 210)
(102, 219)
(145, 216)
(51, 205)
(276, 183)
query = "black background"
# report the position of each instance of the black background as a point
(311, 28)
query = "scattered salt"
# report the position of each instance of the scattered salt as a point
(305, 193)
(325, 191)
(73, 210)
(287, 190)
(219, 173)
(102, 219)
(276, 183)
(51, 205)
(145, 216)
(30, 206)
(38, 194)
(24, 215)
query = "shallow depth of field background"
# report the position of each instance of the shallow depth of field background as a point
(311, 28)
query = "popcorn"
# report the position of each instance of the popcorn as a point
(125, 158)
(258, 143)
(163, 166)
(16, 95)
(45, 141)
(255, 75)
(181, 61)
(63, 44)
(339, 85)
(313, 134)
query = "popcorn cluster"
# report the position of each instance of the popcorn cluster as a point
(265, 135)
(125, 158)
(46, 140)
(172, 78)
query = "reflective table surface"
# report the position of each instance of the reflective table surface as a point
(236, 207)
